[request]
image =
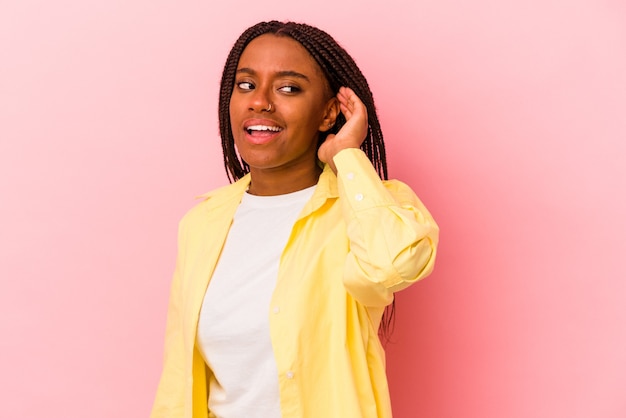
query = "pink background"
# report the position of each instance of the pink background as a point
(507, 118)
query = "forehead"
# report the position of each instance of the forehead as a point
(278, 53)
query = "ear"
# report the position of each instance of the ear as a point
(330, 114)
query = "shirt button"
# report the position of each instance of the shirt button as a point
(289, 374)
(350, 176)
(276, 309)
(358, 197)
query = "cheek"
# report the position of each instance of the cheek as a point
(308, 115)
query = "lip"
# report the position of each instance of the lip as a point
(261, 137)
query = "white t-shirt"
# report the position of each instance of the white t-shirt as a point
(233, 328)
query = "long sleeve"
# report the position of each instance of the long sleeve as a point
(170, 397)
(393, 238)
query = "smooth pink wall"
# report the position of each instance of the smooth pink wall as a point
(508, 119)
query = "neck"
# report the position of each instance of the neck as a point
(271, 183)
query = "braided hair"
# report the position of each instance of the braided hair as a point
(339, 69)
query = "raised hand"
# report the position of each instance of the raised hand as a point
(352, 133)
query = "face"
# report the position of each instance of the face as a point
(280, 103)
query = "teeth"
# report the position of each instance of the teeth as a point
(263, 128)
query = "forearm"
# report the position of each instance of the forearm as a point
(393, 238)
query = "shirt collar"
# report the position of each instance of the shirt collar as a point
(326, 189)
(227, 193)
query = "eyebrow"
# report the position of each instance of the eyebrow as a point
(286, 73)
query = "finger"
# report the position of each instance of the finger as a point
(350, 96)
(342, 97)
(350, 103)
(348, 100)
(346, 111)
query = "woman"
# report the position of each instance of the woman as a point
(303, 251)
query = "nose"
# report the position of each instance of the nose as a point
(260, 101)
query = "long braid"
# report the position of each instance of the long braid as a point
(340, 70)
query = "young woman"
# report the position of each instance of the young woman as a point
(283, 276)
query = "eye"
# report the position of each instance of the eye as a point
(245, 85)
(289, 89)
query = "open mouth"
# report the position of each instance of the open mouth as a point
(262, 129)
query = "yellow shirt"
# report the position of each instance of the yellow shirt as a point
(356, 242)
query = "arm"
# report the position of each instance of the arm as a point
(393, 238)
(169, 398)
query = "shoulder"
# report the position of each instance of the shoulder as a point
(212, 201)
